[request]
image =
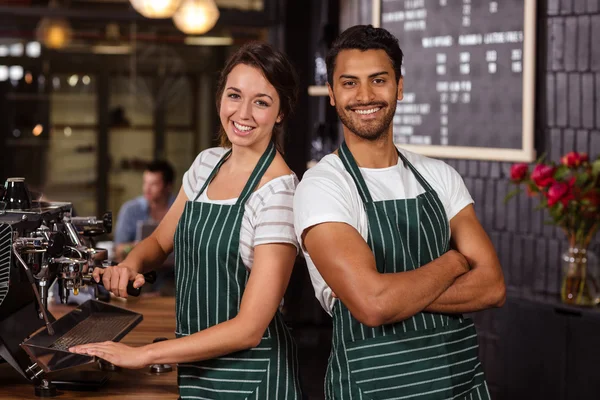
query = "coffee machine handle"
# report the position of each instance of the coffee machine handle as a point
(149, 277)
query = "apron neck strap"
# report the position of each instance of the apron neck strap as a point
(213, 173)
(416, 173)
(351, 166)
(257, 174)
(263, 164)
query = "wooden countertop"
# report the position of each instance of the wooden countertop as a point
(159, 321)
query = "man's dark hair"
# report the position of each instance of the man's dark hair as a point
(164, 168)
(365, 37)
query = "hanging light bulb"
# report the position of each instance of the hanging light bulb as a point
(55, 33)
(156, 8)
(196, 17)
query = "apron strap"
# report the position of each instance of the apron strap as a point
(417, 174)
(351, 166)
(213, 173)
(257, 174)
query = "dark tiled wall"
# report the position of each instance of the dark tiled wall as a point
(567, 119)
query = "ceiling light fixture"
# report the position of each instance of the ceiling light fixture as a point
(54, 33)
(196, 17)
(156, 8)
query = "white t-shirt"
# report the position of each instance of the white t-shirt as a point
(268, 214)
(327, 193)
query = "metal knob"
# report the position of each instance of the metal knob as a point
(160, 368)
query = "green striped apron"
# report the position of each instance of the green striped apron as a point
(427, 356)
(210, 280)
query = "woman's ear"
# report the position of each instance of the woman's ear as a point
(279, 119)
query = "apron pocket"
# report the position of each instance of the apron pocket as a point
(436, 363)
(233, 376)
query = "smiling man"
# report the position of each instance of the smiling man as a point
(395, 251)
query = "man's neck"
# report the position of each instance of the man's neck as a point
(380, 153)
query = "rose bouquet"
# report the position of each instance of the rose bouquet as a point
(570, 190)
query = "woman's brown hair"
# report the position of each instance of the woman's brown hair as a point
(280, 73)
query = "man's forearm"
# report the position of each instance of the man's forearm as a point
(405, 294)
(473, 291)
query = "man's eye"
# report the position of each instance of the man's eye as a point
(378, 81)
(349, 83)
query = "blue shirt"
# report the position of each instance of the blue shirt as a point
(130, 213)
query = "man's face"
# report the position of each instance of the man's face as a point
(365, 91)
(154, 186)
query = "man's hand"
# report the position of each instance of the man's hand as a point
(116, 279)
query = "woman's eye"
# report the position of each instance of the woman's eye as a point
(233, 96)
(262, 103)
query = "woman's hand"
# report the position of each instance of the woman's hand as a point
(115, 279)
(115, 353)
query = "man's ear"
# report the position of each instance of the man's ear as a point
(400, 88)
(331, 98)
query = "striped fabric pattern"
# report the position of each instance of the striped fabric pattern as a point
(427, 356)
(268, 212)
(210, 279)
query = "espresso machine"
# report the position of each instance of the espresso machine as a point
(41, 244)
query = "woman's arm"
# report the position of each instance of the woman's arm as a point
(147, 255)
(268, 280)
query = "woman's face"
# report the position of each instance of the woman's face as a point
(249, 107)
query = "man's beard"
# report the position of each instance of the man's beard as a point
(370, 130)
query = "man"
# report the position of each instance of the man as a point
(394, 235)
(156, 200)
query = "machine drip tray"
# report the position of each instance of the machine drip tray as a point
(93, 321)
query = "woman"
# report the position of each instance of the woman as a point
(232, 215)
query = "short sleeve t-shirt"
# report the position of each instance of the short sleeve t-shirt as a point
(268, 215)
(328, 193)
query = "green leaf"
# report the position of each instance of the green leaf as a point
(512, 194)
(561, 172)
(582, 179)
(541, 158)
(596, 167)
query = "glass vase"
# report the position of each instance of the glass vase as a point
(580, 277)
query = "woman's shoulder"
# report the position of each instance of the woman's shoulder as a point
(209, 157)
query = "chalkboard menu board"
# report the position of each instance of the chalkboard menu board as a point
(468, 76)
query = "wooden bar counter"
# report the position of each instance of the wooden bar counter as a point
(159, 321)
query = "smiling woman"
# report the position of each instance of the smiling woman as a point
(232, 231)
(264, 80)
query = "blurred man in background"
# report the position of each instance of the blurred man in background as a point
(152, 206)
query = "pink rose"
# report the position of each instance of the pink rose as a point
(518, 172)
(560, 191)
(574, 159)
(542, 175)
